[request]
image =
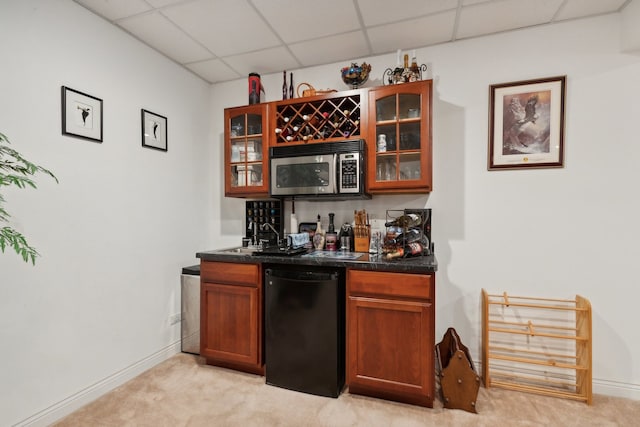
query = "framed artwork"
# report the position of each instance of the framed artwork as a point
(81, 115)
(154, 130)
(526, 124)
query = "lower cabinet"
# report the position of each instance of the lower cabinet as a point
(231, 316)
(390, 336)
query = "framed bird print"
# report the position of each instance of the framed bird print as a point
(154, 130)
(81, 115)
(526, 124)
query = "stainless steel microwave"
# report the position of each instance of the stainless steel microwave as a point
(332, 170)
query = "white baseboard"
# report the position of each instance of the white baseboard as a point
(616, 389)
(76, 401)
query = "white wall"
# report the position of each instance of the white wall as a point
(123, 220)
(116, 230)
(551, 233)
(630, 29)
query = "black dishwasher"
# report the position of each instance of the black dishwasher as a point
(304, 329)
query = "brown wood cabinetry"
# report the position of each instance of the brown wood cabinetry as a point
(246, 151)
(231, 315)
(331, 117)
(390, 335)
(399, 156)
(398, 114)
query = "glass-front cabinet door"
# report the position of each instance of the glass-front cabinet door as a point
(246, 151)
(399, 158)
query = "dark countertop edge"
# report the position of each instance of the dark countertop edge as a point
(424, 264)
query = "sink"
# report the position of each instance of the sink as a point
(239, 250)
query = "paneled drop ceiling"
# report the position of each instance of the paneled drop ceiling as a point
(222, 40)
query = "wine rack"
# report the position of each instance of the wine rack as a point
(323, 118)
(260, 212)
(538, 345)
(393, 239)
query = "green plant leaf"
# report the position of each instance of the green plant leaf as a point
(17, 171)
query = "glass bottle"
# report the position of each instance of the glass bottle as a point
(284, 85)
(405, 221)
(382, 143)
(291, 86)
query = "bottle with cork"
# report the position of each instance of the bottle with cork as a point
(318, 237)
(331, 237)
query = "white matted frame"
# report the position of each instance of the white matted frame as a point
(526, 124)
(154, 130)
(81, 115)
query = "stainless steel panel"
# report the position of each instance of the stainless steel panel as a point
(190, 295)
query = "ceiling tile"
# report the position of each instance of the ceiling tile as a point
(162, 3)
(225, 27)
(115, 9)
(412, 34)
(488, 18)
(263, 62)
(580, 8)
(213, 71)
(308, 19)
(375, 12)
(161, 34)
(345, 47)
(468, 2)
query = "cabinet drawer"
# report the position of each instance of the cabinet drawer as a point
(231, 273)
(390, 284)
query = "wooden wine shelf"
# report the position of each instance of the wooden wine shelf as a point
(549, 355)
(324, 118)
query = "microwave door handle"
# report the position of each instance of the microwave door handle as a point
(336, 169)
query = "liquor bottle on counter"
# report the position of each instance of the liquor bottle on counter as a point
(405, 221)
(284, 85)
(318, 237)
(331, 237)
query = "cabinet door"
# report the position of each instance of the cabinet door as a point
(399, 156)
(390, 349)
(246, 151)
(229, 324)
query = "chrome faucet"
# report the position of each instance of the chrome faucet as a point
(264, 227)
(253, 226)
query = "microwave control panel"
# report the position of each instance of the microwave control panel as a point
(349, 172)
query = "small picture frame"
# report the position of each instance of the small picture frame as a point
(81, 115)
(526, 124)
(154, 130)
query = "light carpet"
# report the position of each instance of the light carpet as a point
(183, 391)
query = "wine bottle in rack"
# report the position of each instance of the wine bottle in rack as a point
(405, 221)
(346, 129)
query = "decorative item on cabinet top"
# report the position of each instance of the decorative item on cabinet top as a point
(321, 117)
(356, 75)
(311, 91)
(404, 73)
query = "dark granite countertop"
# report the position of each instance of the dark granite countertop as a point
(362, 261)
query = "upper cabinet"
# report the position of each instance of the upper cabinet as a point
(246, 151)
(399, 146)
(330, 117)
(394, 121)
